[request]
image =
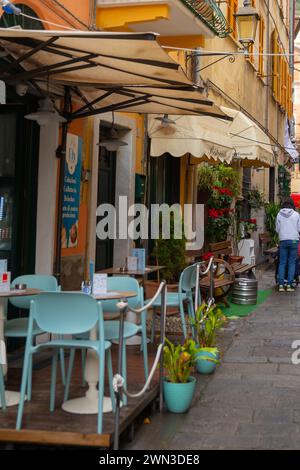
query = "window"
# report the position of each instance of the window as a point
(232, 8)
(282, 79)
(8, 20)
(261, 46)
(251, 56)
(275, 65)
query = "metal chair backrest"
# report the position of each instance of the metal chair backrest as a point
(44, 282)
(122, 283)
(65, 313)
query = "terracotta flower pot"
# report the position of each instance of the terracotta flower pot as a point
(235, 259)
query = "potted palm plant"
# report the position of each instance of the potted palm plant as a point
(205, 325)
(179, 384)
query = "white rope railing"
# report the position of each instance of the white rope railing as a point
(118, 380)
(203, 273)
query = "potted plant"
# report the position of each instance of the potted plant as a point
(179, 384)
(271, 211)
(170, 253)
(232, 259)
(255, 199)
(205, 325)
(247, 227)
(218, 188)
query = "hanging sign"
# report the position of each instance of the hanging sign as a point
(71, 191)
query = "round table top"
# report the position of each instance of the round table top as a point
(20, 293)
(115, 295)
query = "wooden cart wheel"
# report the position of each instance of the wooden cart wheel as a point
(223, 271)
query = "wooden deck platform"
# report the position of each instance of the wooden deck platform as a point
(62, 428)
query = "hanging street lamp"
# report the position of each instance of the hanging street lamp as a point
(247, 19)
(45, 114)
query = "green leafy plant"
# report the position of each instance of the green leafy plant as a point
(206, 323)
(170, 252)
(271, 211)
(228, 177)
(221, 175)
(206, 177)
(248, 226)
(179, 360)
(255, 199)
(284, 180)
(222, 184)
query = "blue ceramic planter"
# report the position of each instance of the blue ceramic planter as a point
(205, 366)
(178, 397)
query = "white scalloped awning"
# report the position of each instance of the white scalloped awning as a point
(252, 146)
(204, 137)
(212, 139)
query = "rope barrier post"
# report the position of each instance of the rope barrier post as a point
(197, 286)
(123, 307)
(212, 283)
(162, 339)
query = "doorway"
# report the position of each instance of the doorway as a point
(19, 142)
(105, 195)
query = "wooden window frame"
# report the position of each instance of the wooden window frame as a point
(261, 46)
(232, 8)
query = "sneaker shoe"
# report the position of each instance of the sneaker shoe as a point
(281, 289)
(290, 289)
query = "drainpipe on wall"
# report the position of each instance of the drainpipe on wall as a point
(291, 56)
(93, 14)
(291, 35)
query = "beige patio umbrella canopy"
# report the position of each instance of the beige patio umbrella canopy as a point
(104, 71)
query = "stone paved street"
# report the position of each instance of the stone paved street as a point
(253, 399)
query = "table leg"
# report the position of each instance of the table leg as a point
(12, 398)
(89, 403)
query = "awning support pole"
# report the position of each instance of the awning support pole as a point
(163, 314)
(61, 154)
(123, 310)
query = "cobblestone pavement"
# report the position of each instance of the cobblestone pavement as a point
(253, 399)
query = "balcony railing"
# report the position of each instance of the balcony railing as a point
(210, 13)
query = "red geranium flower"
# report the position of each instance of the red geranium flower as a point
(207, 256)
(213, 213)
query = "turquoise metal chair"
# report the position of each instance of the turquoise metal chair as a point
(111, 327)
(18, 327)
(66, 314)
(185, 294)
(2, 389)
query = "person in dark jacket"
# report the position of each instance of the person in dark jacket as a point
(288, 228)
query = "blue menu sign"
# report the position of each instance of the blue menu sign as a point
(71, 191)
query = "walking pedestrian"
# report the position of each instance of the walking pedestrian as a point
(288, 228)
